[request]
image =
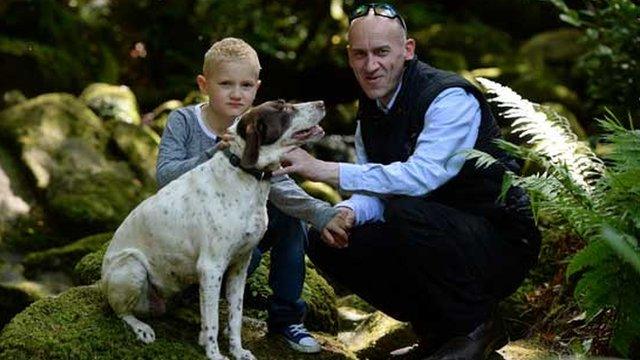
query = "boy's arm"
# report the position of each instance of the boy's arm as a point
(172, 153)
(287, 196)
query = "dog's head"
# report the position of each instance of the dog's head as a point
(270, 129)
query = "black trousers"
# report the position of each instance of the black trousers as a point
(442, 269)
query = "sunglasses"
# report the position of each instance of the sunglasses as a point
(379, 9)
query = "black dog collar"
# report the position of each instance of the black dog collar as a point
(235, 161)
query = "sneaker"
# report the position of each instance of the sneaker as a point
(300, 339)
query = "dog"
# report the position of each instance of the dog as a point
(204, 223)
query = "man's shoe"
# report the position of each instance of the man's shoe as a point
(477, 345)
(300, 339)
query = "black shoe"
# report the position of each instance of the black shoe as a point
(477, 345)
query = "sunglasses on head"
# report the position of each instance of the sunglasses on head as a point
(379, 9)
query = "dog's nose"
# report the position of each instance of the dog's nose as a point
(319, 105)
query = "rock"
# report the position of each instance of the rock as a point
(560, 45)
(11, 206)
(79, 324)
(89, 193)
(12, 97)
(480, 45)
(38, 127)
(320, 298)
(322, 191)
(15, 297)
(157, 119)
(139, 145)
(376, 336)
(112, 102)
(63, 258)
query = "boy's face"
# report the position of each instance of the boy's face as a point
(231, 87)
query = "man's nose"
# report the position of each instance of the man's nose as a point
(371, 64)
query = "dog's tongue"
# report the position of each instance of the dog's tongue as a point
(307, 133)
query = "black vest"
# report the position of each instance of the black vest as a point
(392, 137)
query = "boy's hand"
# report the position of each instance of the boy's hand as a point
(336, 232)
(225, 140)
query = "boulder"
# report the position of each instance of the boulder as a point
(78, 324)
(320, 298)
(115, 102)
(560, 45)
(139, 145)
(15, 297)
(38, 127)
(63, 258)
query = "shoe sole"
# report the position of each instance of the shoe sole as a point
(303, 349)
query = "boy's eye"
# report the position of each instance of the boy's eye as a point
(225, 83)
(247, 85)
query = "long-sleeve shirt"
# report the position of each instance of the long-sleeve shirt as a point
(451, 126)
(185, 142)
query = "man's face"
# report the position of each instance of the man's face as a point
(377, 51)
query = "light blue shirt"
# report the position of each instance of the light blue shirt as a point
(451, 126)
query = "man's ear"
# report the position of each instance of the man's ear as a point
(409, 47)
(252, 145)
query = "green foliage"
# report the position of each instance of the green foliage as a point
(612, 33)
(599, 201)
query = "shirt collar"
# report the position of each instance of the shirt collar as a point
(384, 108)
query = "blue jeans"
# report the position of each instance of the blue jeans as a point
(286, 237)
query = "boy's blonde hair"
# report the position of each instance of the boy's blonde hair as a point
(229, 49)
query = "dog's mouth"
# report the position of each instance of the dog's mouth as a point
(314, 132)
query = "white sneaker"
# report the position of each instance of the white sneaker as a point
(300, 339)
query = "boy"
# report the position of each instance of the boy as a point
(231, 79)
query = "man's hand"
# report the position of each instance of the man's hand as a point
(336, 232)
(302, 163)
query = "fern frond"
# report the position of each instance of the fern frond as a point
(548, 133)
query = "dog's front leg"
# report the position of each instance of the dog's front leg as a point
(236, 279)
(210, 273)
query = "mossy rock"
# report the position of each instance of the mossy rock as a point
(79, 324)
(89, 193)
(376, 336)
(115, 102)
(321, 300)
(16, 297)
(560, 45)
(63, 258)
(322, 191)
(479, 44)
(157, 119)
(38, 127)
(12, 97)
(139, 145)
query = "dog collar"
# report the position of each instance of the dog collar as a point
(235, 161)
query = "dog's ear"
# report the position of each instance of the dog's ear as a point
(249, 129)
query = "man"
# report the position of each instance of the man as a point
(431, 241)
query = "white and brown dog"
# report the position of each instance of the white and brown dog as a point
(204, 223)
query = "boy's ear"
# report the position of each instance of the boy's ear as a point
(258, 84)
(252, 144)
(202, 83)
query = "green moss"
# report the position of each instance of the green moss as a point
(65, 257)
(79, 324)
(15, 297)
(321, 300)
(87, 270)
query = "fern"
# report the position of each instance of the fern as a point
(601, 203)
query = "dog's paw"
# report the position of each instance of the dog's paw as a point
(145, 333)
(243, 354)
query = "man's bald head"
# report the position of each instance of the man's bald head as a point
(378, 48)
